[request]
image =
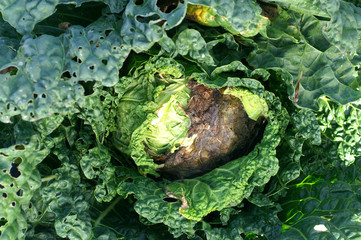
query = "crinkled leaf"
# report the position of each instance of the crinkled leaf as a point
(315, 72)
(313, 7)
(340, 127)
(145, 24)
(95, 53)
(229, 76)
(191, 43)
(96, 158)
(118, 219)
(9, 43)
(19, 177)
(322, 208)
(223, 48)
(139, 99)
(236, 16)
(24, 15)
(115, 6)
(37, 90)
(342, 30)
(65, 197)
(302, 131)
(152, 202)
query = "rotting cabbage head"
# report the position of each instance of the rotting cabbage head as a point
(173, 125)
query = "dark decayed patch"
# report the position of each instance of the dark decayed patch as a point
(224, 132)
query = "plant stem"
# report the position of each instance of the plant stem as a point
(106, 211)
(49, 178)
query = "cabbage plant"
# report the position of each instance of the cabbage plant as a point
(153, 119)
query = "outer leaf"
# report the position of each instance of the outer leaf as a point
(342, 30)
(141, 23)
(95, 53)
(322, 209)
(118, 219)
(237, 16)
(313, 7)
(191, 43)
(340, 147)
(65, 196)
(261, 221)
(97, 111)
(152, 203)
(302, 132)
(37, 90)
(315, 72)
(23, 15)
(9, 42)
(19, 177)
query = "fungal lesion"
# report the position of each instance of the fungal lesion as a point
(221, 129)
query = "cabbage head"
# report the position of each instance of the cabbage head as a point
(173, 125)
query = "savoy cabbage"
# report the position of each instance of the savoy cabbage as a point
(96, 94)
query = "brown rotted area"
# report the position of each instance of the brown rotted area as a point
(224, 132)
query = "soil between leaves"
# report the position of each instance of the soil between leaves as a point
(223, 129)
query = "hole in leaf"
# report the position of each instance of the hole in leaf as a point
(105, 62)
(4, 171)
(74, 74)
(51, 161)
(167, 6)
(66, 74)
(11, 70)
(19, 147)
(20, 192)
(39, 213)
(13, 204)
(168, 199)
(107, 32)
(101, 37)
(76, 59)
(91, 67)
(3, 221)
(35, 96)
(147, 19)
(88, 87)
(5, 195)
(114, 48)
(138, 2)
(43, 95)
(12, 185)
(32, 115)
(30, 205)
(14, 171)
(1, 186)
(30, 102)
(80, 48)
(132, 30)
(8, 106)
